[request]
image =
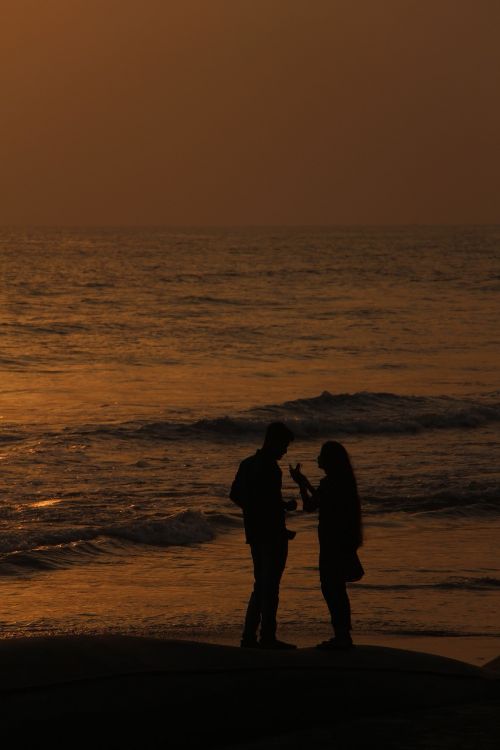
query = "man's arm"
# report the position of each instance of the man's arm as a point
(239, 492)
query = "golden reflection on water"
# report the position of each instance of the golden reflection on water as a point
(45, 503)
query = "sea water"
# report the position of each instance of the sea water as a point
(140, 366)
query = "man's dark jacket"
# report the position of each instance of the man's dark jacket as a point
(257, 490)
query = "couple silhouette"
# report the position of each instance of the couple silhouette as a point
(256, 489)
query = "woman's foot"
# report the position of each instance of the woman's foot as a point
(336, 644)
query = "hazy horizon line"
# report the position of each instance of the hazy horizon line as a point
(338, 225)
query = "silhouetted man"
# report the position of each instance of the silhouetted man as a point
(257, 490)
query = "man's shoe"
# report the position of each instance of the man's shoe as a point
(276, 645)
(336, 644)
(249, 643)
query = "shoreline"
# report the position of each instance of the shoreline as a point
(476, 650)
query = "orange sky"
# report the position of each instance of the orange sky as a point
(249, 111)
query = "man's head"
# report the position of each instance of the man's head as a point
(278, 438)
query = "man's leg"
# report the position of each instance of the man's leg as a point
(253, 615)
(273, 564)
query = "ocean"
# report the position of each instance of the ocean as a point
(140, 366)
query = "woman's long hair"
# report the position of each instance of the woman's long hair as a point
(337, 456)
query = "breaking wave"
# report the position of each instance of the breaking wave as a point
(329, 414)
(476, 498)
(450, 584)
(58, 549)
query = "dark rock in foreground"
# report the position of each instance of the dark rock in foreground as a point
(117, 691)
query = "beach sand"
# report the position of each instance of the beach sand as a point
(146, 692)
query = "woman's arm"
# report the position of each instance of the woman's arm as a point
(307, 491)
(309, 500)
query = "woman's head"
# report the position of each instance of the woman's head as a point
(335, 462)
(333, 457)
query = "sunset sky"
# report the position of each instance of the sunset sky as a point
(223, 112)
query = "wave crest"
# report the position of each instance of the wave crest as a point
(363, 413)
(456, 583)
(327, 414)
(478, 498)
(184, 527)
(58, 549)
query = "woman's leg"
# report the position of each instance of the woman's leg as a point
(337, 600)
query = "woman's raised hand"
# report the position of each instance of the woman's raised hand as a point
(296, 474)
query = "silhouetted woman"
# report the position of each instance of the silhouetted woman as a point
(340, 534)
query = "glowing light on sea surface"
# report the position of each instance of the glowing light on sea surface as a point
(46, 503)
